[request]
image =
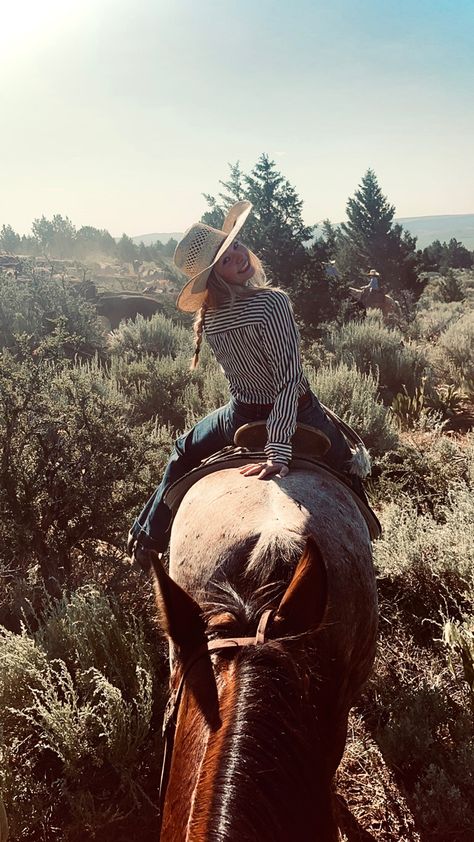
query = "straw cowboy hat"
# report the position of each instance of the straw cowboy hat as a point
(375, 273)
(200, 249)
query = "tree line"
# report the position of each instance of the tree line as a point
(294, 257)
(58, 237)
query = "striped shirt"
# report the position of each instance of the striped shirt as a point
(257, 343)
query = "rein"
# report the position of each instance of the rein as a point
(172, 707)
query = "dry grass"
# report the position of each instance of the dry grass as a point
(369, 803)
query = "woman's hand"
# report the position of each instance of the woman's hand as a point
(267, 470)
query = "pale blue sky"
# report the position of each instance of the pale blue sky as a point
(121, 113)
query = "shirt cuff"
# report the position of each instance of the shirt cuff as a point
(278, 451)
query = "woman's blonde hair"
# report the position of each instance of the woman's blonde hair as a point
(219, 292)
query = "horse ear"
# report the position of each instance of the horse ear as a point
(304, 602)
(180, 616)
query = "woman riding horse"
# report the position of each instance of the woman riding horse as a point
(252, 331)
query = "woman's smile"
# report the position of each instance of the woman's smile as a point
(234, 265)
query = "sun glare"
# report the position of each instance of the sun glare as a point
(27, 22)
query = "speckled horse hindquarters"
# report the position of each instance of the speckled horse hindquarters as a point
(309, 446)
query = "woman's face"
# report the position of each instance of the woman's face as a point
(234, 265)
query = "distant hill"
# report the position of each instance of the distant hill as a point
(443, 228)
(148, 239)
(425, 228)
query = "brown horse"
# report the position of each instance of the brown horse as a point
(260, 729)
(375, 299)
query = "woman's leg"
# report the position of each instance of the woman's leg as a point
(339, 454)
(152, 527)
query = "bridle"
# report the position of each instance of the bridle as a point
(172, 707)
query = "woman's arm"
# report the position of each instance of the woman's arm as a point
(282, 347)
(281, 342)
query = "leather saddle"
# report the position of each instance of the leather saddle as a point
(306, 441)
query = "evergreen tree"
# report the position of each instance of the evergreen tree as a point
(370, 218)
(9, 240)
(275, 230)
(126, 249)
(29, 245)
(319, 296)
(55, 237)
(370, 239)
(43, 233)
(92, 241)
(432, 256)
(457, 256)
(64, 236)
(330, 237)
(451, 289)
(170, 247)
(441, 258)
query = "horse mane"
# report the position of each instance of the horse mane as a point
(268, 718)
(263, 729)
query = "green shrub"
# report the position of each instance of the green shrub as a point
(72, 469)
(455, 352)
(451, 287)
(315, 354)
(157, 387)
(51, 316)
(459, 637)
(410, 410)
(426, 469)
(432, 321)
(157, 336)
(164, 388)
(374, 348)
(426, 566)
(354, 397)
(75, 718)
(211, 388)
(425, 732)
(369, 791)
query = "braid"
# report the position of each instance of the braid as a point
(198, 329)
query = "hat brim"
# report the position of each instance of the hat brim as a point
(194, 292)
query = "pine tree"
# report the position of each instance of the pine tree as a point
(126, 249)
(275, 230)
(55, 237)
(371, 240)
(370, 218)
(9, 239)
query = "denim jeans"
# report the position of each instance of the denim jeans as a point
(214, 432)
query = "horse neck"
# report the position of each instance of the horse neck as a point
(256, 776)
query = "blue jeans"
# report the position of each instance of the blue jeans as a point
(214, 432)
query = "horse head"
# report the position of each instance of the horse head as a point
(244, 730)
